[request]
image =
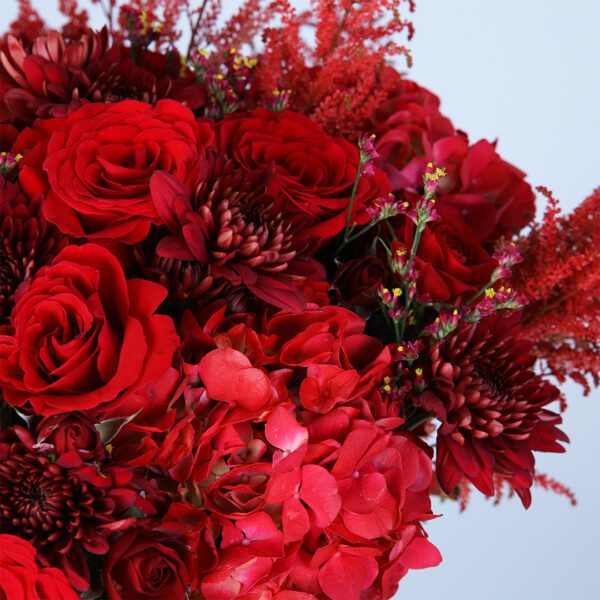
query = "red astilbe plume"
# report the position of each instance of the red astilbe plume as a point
(339, 79)
(28, 24)
(560, 274)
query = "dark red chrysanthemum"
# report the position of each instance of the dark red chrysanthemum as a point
(27, 242)
(56, 75)
(492, 407)
(51, 75)
(52, 507)
(232, 226)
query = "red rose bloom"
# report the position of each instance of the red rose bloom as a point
(84, 336)
(316, 172)
(492, 407)
(452, 264)
(482, 189)
(100, 162)
(406, 125)
(22, 577)
(144, 564)
(357, 281)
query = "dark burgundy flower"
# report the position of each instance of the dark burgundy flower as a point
(56, 75)
(492, 407)
(357, 281)
(51, 75)
(232, 225)
(70, 432)
(27, 242)
(56, 507)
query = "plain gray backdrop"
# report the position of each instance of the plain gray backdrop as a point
(525, 72)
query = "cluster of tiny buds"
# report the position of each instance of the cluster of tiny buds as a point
(225, 79)
(390, 299)
(408, 351)
(500, 299)
(424, 210)
(9, 162)
(281, 100)
(141, 29)
(368, 153)
(445, 323)
(384, 207)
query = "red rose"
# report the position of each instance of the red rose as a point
(21, 577)
(84, 336)
(144, 564)
(357, 281)
(452, 264)
(316, 172)
(482, 189)
(100, 162)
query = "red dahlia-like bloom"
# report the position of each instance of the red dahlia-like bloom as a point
(230, 224)
(492, 407)
(27, 242)
(50, 76)
(55, 76)
(55, 507)
(316, 172)
(22, 577)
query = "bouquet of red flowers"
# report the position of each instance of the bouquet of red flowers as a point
(259, 300)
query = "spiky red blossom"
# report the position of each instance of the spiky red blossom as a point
(59, 507)
(232, 226)
(27, 242)
(560, 275)
(492, 406)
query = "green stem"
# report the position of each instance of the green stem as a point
(482, 290)
(413, 252)
(416, 420)
(361, 163)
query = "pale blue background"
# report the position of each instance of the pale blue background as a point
(526, 72)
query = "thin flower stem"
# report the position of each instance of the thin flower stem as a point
(352, 196)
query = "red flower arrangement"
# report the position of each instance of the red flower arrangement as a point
(242, 340)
